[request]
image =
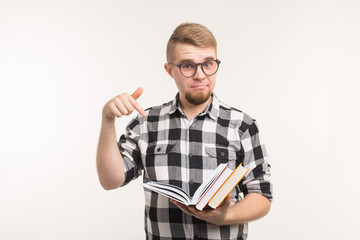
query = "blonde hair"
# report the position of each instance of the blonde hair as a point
(190, 33)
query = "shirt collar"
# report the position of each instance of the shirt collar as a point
(174, 104)
(212, 109)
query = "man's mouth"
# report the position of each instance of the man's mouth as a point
(199, 87)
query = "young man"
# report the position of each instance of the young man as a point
(182, 141)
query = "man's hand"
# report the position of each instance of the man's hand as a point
(252, 207)
(124, 104)
(218, 216)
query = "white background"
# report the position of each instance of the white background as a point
(292, 65)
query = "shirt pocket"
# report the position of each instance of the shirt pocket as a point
(220, 154)
(157, 162)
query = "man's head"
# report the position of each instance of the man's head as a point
(192, 34)
(192, 43)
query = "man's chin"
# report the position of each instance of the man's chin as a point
(197, 99)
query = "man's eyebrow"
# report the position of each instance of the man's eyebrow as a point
(186, 60)
(192, 60)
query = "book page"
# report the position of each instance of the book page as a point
(170, 191)
(205, 185)
(213, 189)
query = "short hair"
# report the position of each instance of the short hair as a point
(190, 33)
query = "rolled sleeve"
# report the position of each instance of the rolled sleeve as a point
(128, 146)
(256, 159)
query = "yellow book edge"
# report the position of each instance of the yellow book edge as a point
(231, 187)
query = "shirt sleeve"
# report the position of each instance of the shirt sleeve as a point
(256, 159)
(129, 149)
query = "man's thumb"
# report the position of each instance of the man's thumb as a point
(137, 93)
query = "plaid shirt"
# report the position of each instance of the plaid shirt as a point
(172, 149)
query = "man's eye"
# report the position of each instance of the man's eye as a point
(208, 64)
(188, 65)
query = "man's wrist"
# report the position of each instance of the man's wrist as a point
(106, 118)
(108, 122)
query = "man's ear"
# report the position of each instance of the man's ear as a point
(168, 69)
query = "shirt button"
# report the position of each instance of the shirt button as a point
(158, 149)
(190, 155)
(222, 154)
(191, 181)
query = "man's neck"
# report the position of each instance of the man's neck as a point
(192, 110)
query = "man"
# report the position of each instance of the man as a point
(182, 141)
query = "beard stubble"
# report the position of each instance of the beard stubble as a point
(197, 99)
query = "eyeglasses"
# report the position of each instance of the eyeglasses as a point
(209, 67)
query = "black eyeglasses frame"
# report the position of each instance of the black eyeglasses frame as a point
(202, 67)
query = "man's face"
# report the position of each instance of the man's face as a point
(198, 88)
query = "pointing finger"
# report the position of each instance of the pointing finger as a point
(139, 108)
(136, 105)
(137, 93)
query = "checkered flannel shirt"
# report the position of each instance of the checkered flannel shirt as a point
(169, 148)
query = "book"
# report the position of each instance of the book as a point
(209, 190)
(228, 185)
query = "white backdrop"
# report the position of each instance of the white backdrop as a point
(292, 65)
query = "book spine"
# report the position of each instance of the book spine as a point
(219, 190)
(213, 204)
(202, 207)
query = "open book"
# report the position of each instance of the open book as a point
(211, 192)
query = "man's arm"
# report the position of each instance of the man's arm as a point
(252, 207)
(109, 162)
(110, 165)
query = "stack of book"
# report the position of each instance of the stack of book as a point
(211, 192)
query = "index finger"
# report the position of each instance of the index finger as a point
(138, 107)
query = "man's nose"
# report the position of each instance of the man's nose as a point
(199, 73)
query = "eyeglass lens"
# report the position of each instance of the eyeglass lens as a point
(209, 67)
